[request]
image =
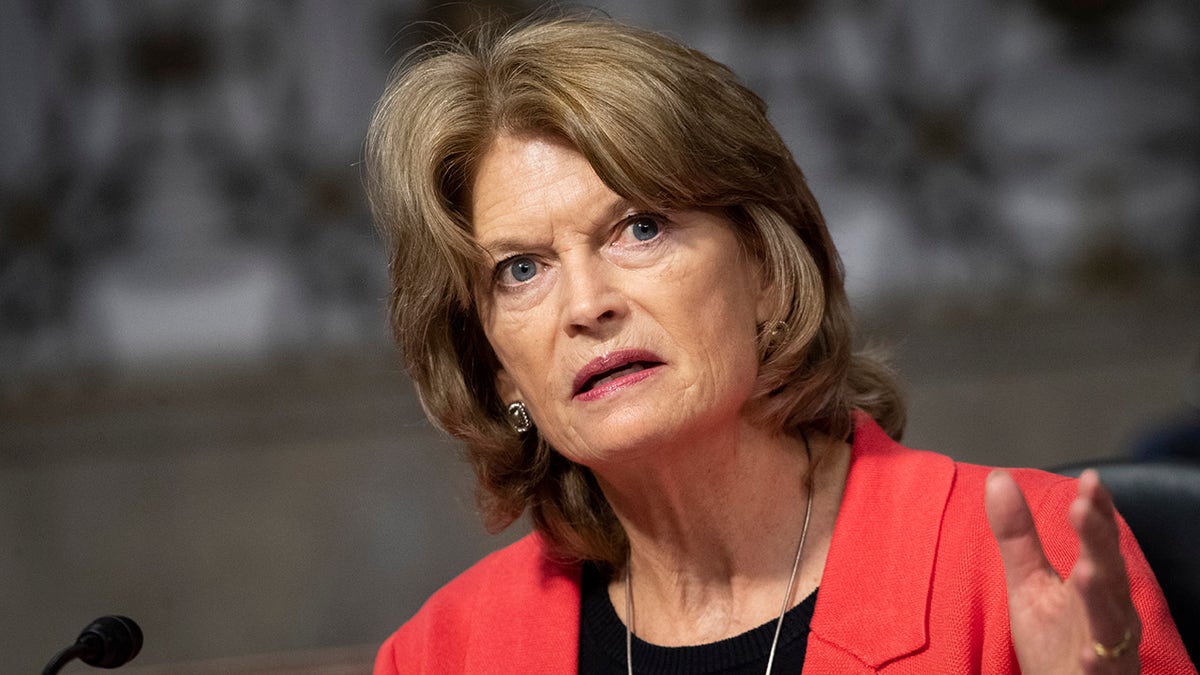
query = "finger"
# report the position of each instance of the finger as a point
(1012, 526)
(1095, 520)
(1099, 573)
(1100, 578)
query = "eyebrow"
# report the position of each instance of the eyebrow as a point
(499, 247)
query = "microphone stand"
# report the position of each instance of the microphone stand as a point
(64, 657)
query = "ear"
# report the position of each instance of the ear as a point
(766, 299)
(507, 388)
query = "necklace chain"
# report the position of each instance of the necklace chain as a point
(778, 622)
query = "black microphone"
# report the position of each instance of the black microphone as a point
(108, 642)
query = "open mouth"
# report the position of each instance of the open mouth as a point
(615, 367)
(609, 375)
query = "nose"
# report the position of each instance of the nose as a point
(591, 300)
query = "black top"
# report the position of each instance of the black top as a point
(602, 642)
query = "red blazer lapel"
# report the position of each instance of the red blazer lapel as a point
(880, 565)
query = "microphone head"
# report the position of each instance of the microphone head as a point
(111, 641)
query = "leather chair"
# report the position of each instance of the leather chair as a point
(1161, 503)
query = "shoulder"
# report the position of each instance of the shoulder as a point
(912, 474)
(493, 603)
(523, 562)
(1048, 494)
(933, 498)
(515, 574)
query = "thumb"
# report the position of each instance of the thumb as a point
(1012, 525)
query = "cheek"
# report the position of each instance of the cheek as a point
(715, 324)
(729, 328)
(504, 330)
(722, 293)
(733, 351)
(523, 353)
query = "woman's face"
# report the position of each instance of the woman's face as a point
(621, 328)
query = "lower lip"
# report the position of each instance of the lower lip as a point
(613, 386)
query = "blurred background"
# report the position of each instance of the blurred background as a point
(203, 423)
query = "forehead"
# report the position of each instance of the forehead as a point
(523, 182)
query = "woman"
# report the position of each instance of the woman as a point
(612, 283)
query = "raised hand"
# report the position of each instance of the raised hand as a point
(1085, 623)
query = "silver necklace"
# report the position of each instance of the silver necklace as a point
(787, 595)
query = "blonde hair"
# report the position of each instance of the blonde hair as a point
(661, 124)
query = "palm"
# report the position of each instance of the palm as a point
(1048, 621)
(1055, 622)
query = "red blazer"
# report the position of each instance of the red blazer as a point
(913, 584)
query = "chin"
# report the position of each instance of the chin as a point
(623, 442)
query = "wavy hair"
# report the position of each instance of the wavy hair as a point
(661, 124)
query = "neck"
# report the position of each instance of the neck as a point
(713, 530)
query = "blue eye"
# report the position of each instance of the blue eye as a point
(644, 229)
(521, 268)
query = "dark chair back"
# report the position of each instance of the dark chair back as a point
(1161, 503)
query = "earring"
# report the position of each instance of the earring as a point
(518, 417)
(774, 335)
